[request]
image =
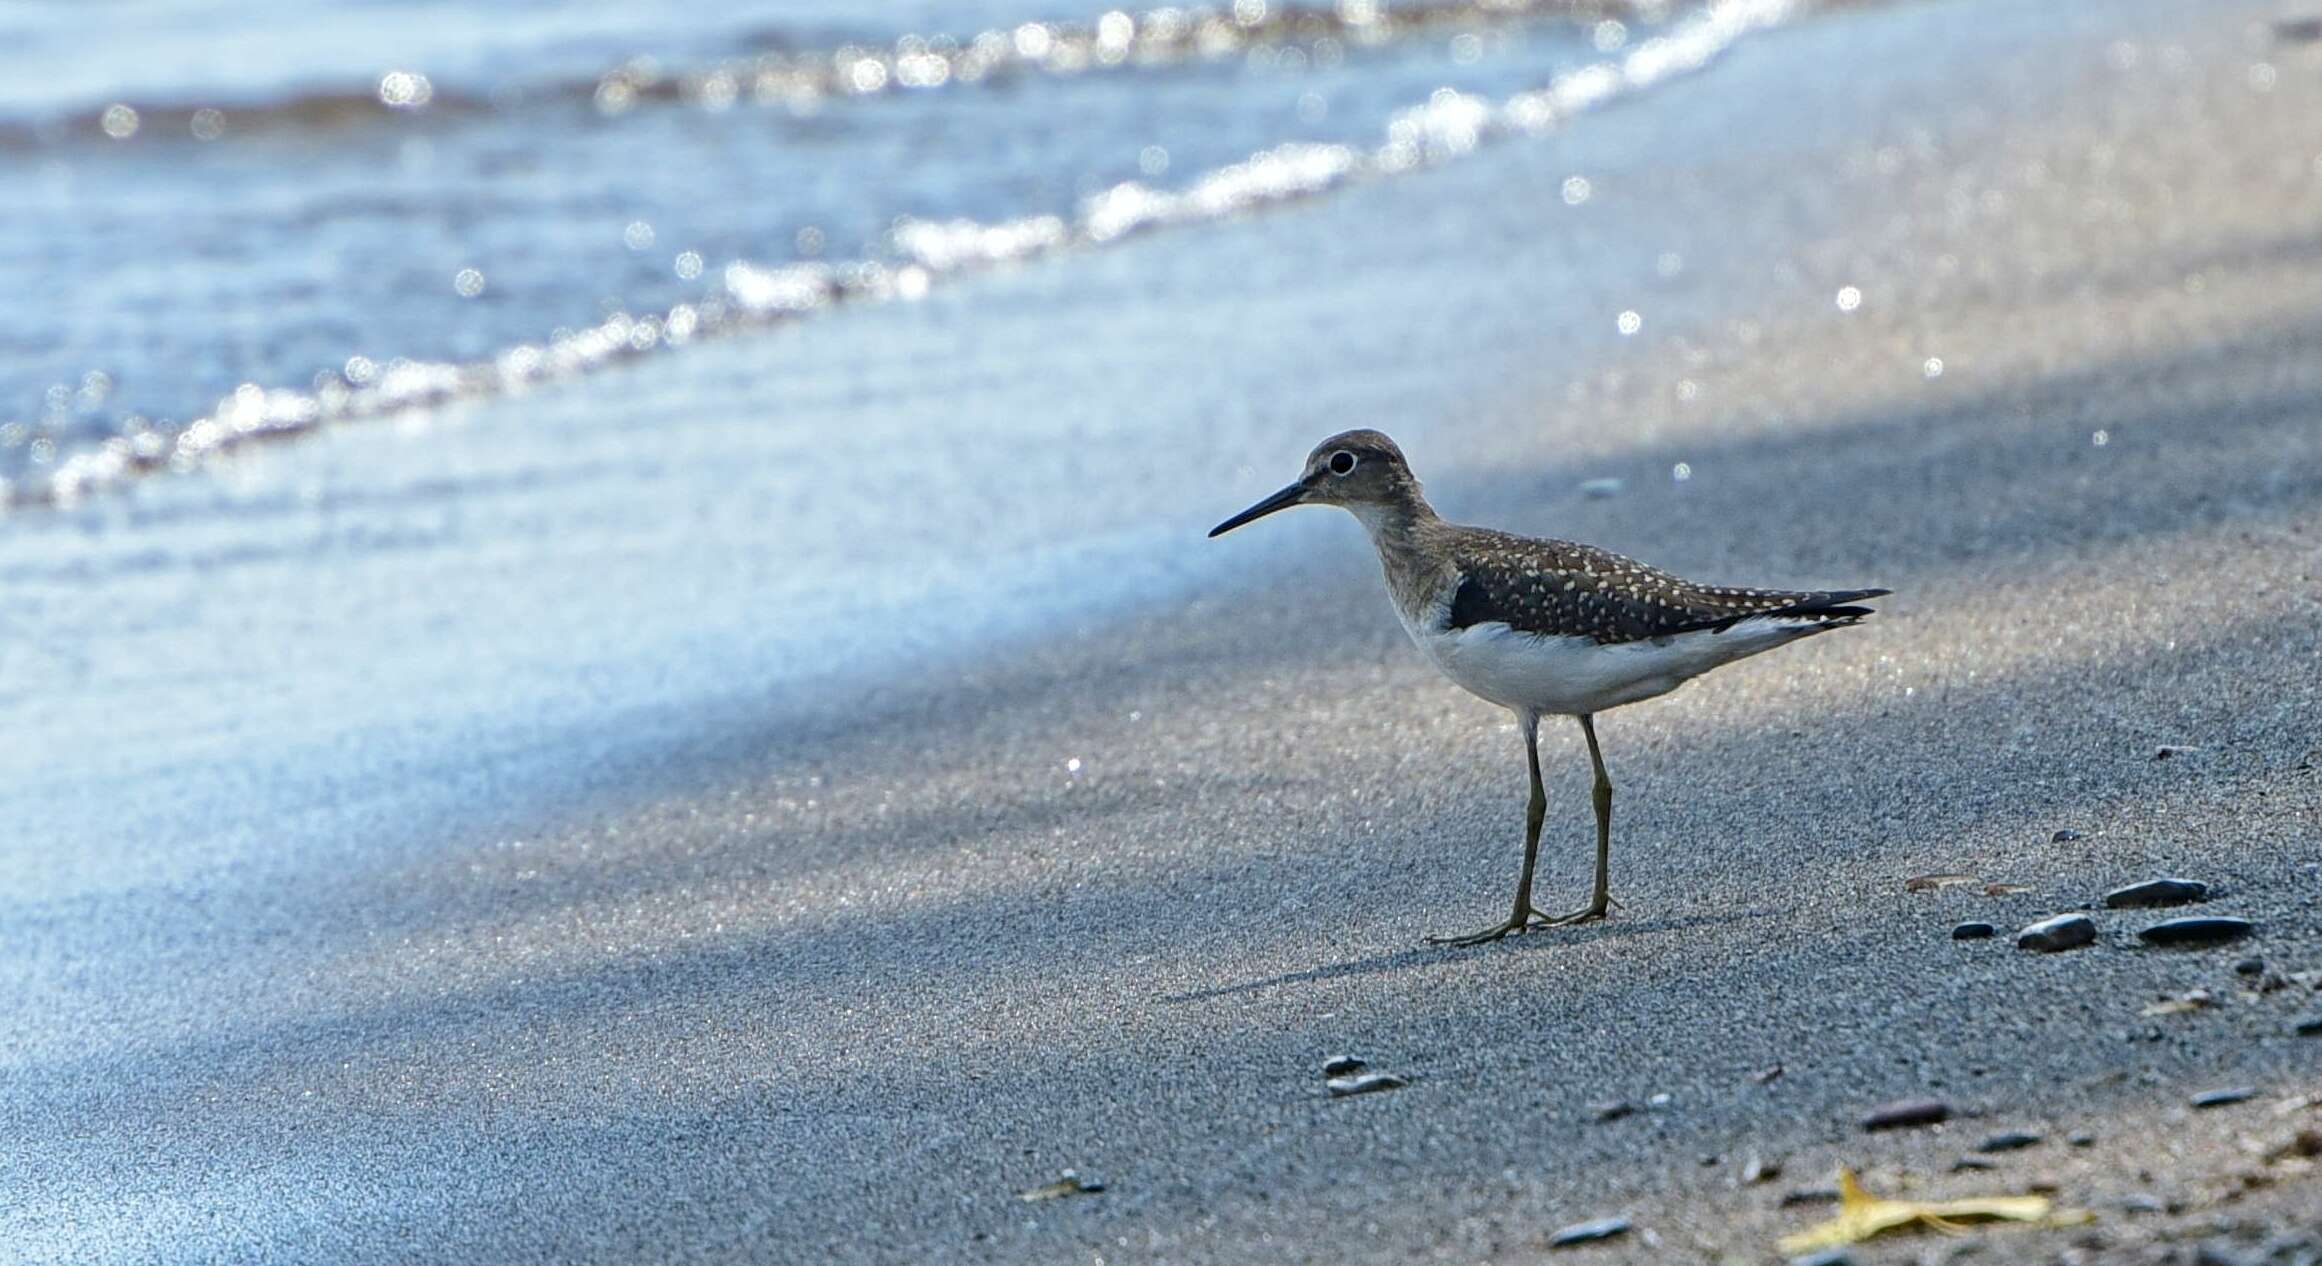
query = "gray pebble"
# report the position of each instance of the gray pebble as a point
(1589, 1232)
(2221, 1098)
(2064, 837)
(1973, 1162)
(2204, 930)
(1613, 1111)
(2082, 1139)
(2008, 1141)
(2250, 967)
(1973, 931)
(1363, 1084)
(1758, 1169)
(2311, 1026)
(1903, 1113)
(1343, 1066)
(2157, 892)
(1809, 1195)
(2065, 931)
(1826, 1257)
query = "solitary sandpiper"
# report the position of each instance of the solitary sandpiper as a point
(1544, 628)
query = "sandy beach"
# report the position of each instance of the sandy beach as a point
(705, 932)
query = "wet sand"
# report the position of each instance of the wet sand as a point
(833, 978)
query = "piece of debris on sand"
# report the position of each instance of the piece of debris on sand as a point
(1862, 1215)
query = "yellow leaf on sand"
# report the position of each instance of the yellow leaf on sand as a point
(1862, 1215)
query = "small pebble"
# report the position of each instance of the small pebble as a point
(2250, 967)
(1766, 1075)
(1658, 1101)
(1758, 1169)
(2064, 837)
(1363, 1084)
(2157, 892)
(1826, 1257)
(1589, 1232)
(2222, 1098)
(2065, 931)
(2203, 930)
(2140, 1204)
(1973, 932)
(2082, 1139)
(1809, 1195)
(1903, 1113)
(2008, 1141)
(2167, 750)
(1342, 1066)
(2311, 1026)
(1973, 1162)
(1614, 1111)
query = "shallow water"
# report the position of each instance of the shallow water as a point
(252, 220)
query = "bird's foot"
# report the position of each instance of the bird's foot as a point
(1490, 934)
(1595, 913)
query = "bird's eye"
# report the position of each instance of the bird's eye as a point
(1342, 462)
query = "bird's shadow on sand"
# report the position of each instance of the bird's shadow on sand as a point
(1532, 941)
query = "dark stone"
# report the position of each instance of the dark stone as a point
(2008, 1141)
(1343, 1066)
(2082, 1139)
(1614, 1111)
(1589, 1232)
(2298, 30)
(1827, 1257)
(2222, 1098)
(2311, 1026)
(2250, 967)
(1973, 932)
(1809, 1195)
(2065, 931)
(2200, 930)
(2064, 837)
(1904, 1113)
(2157, 892)
(1973, 1162)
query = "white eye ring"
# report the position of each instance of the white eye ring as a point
(1343, 462)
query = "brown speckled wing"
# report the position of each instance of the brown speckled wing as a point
(1562, 589)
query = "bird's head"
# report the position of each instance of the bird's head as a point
(1360, 470)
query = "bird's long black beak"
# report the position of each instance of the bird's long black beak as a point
(1282, 500)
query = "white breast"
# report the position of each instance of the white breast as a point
(1569, 676)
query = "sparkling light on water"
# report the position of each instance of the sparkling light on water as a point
(405, 90)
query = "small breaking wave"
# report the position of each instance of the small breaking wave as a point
(806, 80)
(919, 254)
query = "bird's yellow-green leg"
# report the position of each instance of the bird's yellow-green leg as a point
(1600, 901)
(1535, 812)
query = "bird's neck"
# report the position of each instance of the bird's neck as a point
(1399, 529)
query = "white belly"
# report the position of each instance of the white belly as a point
(1570, 676)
